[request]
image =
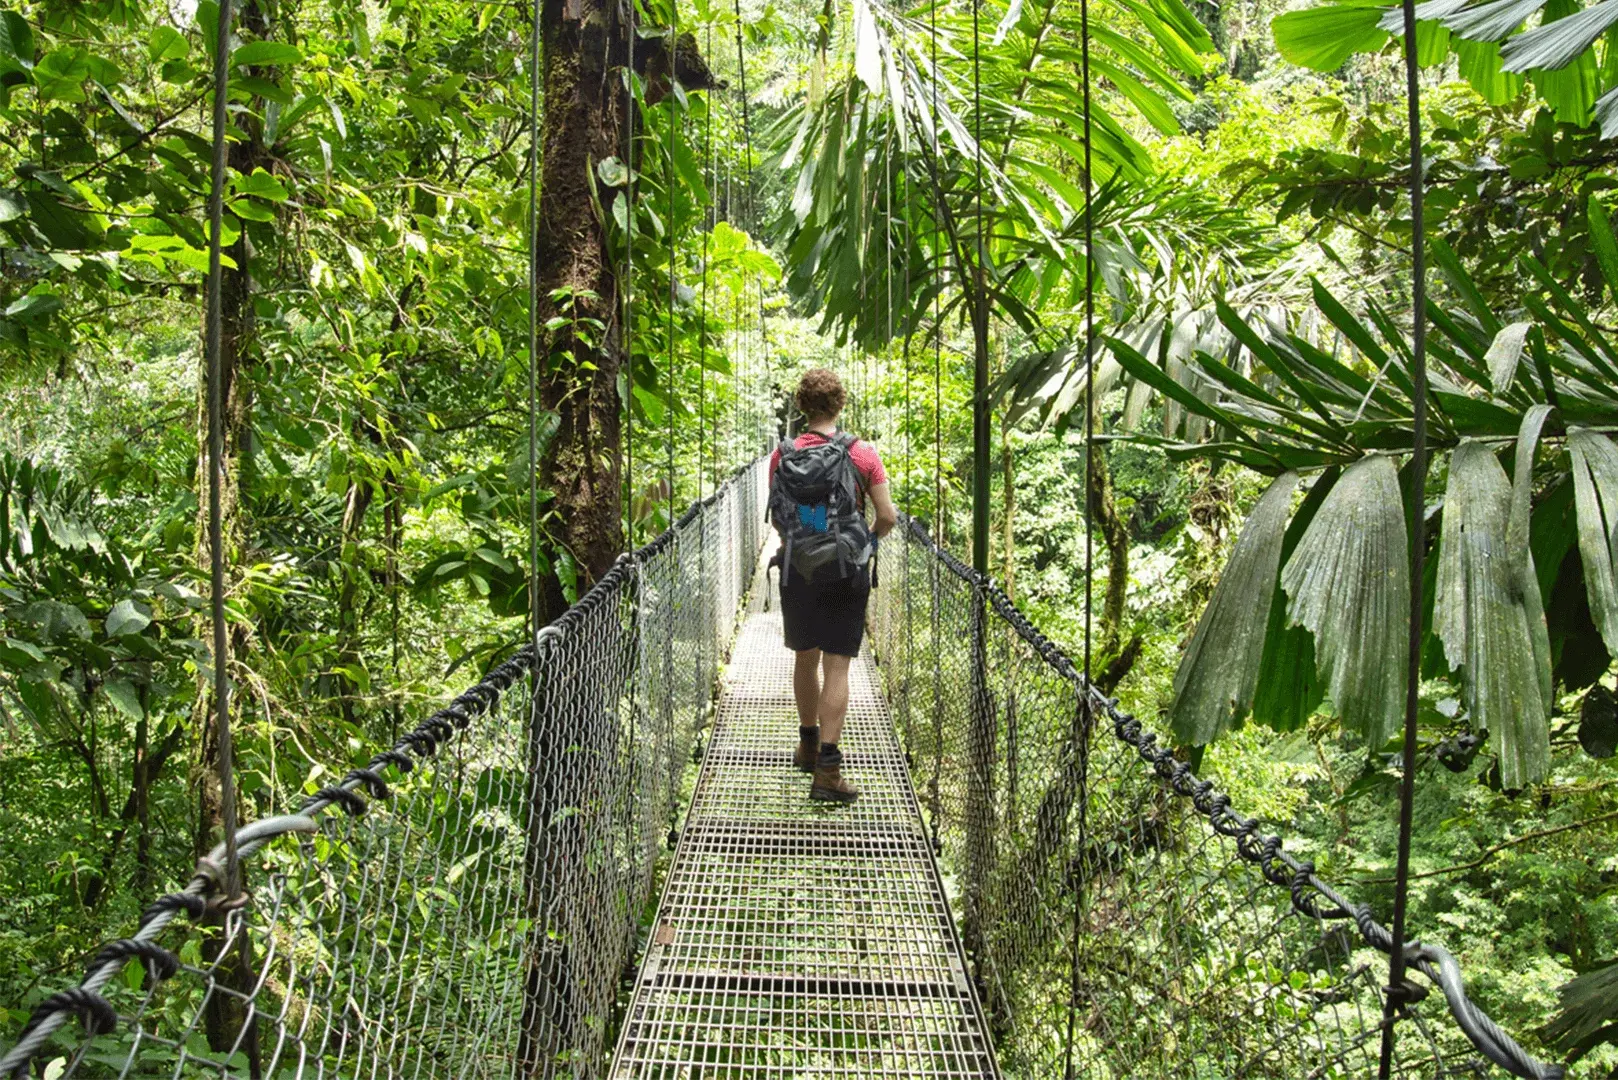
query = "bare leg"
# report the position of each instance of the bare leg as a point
(833, 697)
(806, 687)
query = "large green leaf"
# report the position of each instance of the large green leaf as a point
(1348, 584)
(1491, 21)
(1503, 354)
(1214, 686)
(1485, 621)
(1605, 245)
(1569, 89)
(1480, 65)
(124, 697)
(1606, 113)
(16, 42)
(1289, 690)
(1323, 38)
(1557, 43)
(266, 54)
(1587, 1011)
(67, 229)
(1595, 493)
(1519, 546)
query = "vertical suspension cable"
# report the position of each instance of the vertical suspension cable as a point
(633, 221)
(980, 321)
(752, 219)
(214, 343)
(711, 214)
(939, 533)
(887, 247)
(673, 102)
(909, 313)
(1396, 995)
(535, 612)
(1083, 713)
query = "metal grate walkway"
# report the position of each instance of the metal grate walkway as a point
(800, 939)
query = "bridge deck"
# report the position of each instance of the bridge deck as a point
(800, 939)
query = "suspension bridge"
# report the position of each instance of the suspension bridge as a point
(527, 885)
(599, 861)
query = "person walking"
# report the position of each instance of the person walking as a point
(821, 485)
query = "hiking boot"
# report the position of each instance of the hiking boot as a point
(829, 785)
(808, 751)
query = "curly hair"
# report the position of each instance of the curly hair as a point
(820, 393)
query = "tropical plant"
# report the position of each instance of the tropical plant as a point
(903, 159)
(1568, 57)
(1499, 182)
(1312, 606)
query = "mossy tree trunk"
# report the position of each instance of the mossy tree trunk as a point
(585, 49)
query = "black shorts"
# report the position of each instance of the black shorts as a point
(826, 615)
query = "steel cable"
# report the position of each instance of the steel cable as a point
(1416, 516)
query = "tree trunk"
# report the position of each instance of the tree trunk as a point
(585, 44)
(351, 571)
(392, 537)
(148, 767)
(585, 47)
(1115, 534)
(225, 1014)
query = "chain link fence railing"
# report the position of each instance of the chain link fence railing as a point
(1121, 919)
(469, 902)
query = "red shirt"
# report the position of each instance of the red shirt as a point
(861, 453)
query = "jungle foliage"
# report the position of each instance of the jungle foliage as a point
(1251, 381)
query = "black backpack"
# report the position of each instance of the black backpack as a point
(814, 505)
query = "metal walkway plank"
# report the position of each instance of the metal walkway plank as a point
(799, 939)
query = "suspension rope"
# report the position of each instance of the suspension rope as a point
(909, 312)
(752, 208)
(535, 612)
(712, 219)
(214, 343)
(673, 102)
(938, 314)
(889, 178)
(980, 318)
(633, 226)
(1083, 717)
(1397, 995)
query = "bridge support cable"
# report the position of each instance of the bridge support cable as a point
(1398, 992)
(1204, 947)
(472, 908)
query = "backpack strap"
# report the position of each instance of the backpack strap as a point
(845, 441)
(781, 453)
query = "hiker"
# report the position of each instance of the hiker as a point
(821, 484)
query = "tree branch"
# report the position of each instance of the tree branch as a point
(1492, 852)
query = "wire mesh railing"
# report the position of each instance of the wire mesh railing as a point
(469, 902)
(1121, 919)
